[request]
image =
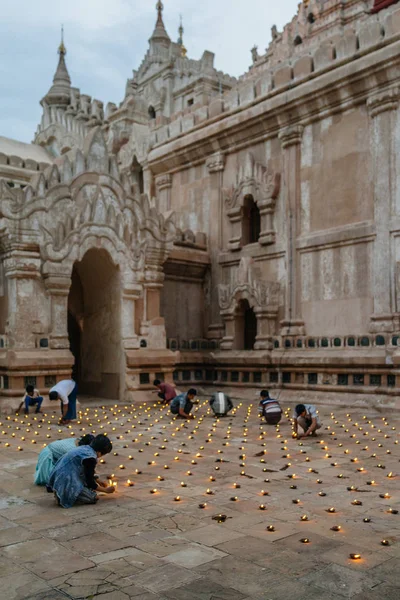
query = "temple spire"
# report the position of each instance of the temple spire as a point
(180, 38)
(160, 35)
(60, 91)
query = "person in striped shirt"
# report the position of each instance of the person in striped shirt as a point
(269, 408)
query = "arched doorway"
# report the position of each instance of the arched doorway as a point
(94, 325)
(245, 327)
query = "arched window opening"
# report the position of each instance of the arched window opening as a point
(297, 40)
(245, 327)
(137, 173)
(152, 112)
(311, 18)
(251, 224)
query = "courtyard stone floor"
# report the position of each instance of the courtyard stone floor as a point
(157, 539)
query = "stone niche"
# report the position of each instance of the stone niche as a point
(249, 308)
(259, 187)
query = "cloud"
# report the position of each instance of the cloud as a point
(107, 40)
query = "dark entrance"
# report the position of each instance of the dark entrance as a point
(94, 325)
(245, 327)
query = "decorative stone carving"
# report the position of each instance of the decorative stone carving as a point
(216, 162)
(262, 296)
(383, 101)
(253, 180)
(164, 182)
(71, 208)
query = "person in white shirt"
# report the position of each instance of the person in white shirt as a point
(306, 415)
(32, 397)
(66, 391)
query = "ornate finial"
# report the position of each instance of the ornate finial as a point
(62, 49)
(160, 8)
(180, 38)
(181, 31)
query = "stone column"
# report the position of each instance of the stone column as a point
(291, 146)
(22, 271)
(216, 166)
(382, 107)
(163, 186)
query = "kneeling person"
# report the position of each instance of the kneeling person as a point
(73, 478)
(221, 404)
(270, 408)
(167, 391)
(182, 405)
(306, 415)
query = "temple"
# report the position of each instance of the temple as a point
(218, 231)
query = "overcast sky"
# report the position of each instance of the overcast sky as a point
(106, 39)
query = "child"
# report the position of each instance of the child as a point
(31, 398)
(73, 478)
(50, 456)
(306, 415)
(269, 408)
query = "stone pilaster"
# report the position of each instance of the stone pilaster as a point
(291, 139)
(58, 285)
(229, 336)
(216, 166)
(22, 271)
(382, 107)
(163, 186)
(266, 323)
(130, 294)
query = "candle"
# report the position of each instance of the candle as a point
(297, 501)
(270, 528)
(357, 503)
(130, 483)
(177, 499)
(336, 528)
(355, 556)
(304, 518)
(367, 520)
(203, 505)
(305, 540)
(385, 543)
(183, 484)
(262, 507)
(154, 491)
(331, 510)
(210, 492)
(234, 499)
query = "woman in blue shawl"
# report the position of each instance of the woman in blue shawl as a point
(50, 456)
(73, 478)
